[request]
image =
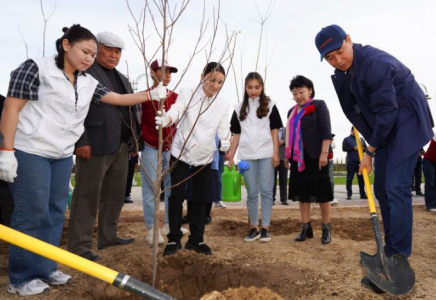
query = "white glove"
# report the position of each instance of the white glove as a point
(8, 165)
(225, 145)
(159, 92)
(162, 118)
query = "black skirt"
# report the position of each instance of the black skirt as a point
(311, 185)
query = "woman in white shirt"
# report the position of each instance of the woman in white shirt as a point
(43, 115)
(255, 123)
(201, 114)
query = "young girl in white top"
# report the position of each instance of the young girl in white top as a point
(255, 123)
(202, 114)
(43, 115)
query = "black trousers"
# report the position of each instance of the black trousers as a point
(198, 206)
(130, 174)
(6, 204)
(417, 175)
(353, 168)
(283, 181)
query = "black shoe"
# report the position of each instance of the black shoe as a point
(252, 235)
(208, 220)
(306, 232)
(367, 283)
(118, 242)
(172, 248)
(90, 256)
(363, 197)
(419, 194)
(264, 235)
(185, 220)
(201, 248)
(348, 197)
(285, 202)
(128, 199)
(326, 233)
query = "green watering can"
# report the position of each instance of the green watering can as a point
(231, 182)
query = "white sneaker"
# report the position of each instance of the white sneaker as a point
(432, 209)
(220, 204)
(149, 238)
(184, 230)
(33, 287)
(59, 278)
(334, 202)
(165, 229)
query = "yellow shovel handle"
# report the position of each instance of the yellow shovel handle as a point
(74, 261)
(365, 174)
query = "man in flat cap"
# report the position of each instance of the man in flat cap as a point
(380, 97)
(111, 133)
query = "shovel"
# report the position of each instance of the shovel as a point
(394, 274)
(119, 280)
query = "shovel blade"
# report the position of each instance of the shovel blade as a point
(393, 275)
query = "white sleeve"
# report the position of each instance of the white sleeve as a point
(224, 127)
(177, 109)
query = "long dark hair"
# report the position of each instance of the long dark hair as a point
(213, 67)
(264, 100)
(74, 34)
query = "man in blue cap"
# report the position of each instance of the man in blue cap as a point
(380, 97)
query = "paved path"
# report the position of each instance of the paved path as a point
(340, 194)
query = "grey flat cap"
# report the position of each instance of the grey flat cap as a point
(110, 39)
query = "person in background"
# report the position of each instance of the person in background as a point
(308, 136)
(353, 162)
(281, 171)
(111, 133)
(429, 168)
(254, 126)
(159, 71)
(6, 201)
(417, 175)
(332, 169)
(381, 98)
(43, 117)
(201, 114)
(131, 165)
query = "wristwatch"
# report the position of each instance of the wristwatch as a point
(372, 154)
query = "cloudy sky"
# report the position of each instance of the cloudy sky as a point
(404, 28)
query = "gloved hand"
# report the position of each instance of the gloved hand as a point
(159, 92)
(8, 165)
(225, 145)
(162, 118)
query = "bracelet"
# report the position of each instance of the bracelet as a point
(4, 149)
(325, 151)
(371, 154)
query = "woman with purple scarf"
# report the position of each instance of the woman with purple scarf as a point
(308, 136)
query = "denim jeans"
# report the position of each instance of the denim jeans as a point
(148, 172)
(259, 179)
(40, 194)
(392, 190)
(430, 184)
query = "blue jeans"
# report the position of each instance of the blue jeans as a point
(40, 194)
(260, 178)
(392, 190)
(148, 172)
(429, 169)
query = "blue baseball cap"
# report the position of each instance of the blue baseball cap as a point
(330, 38)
